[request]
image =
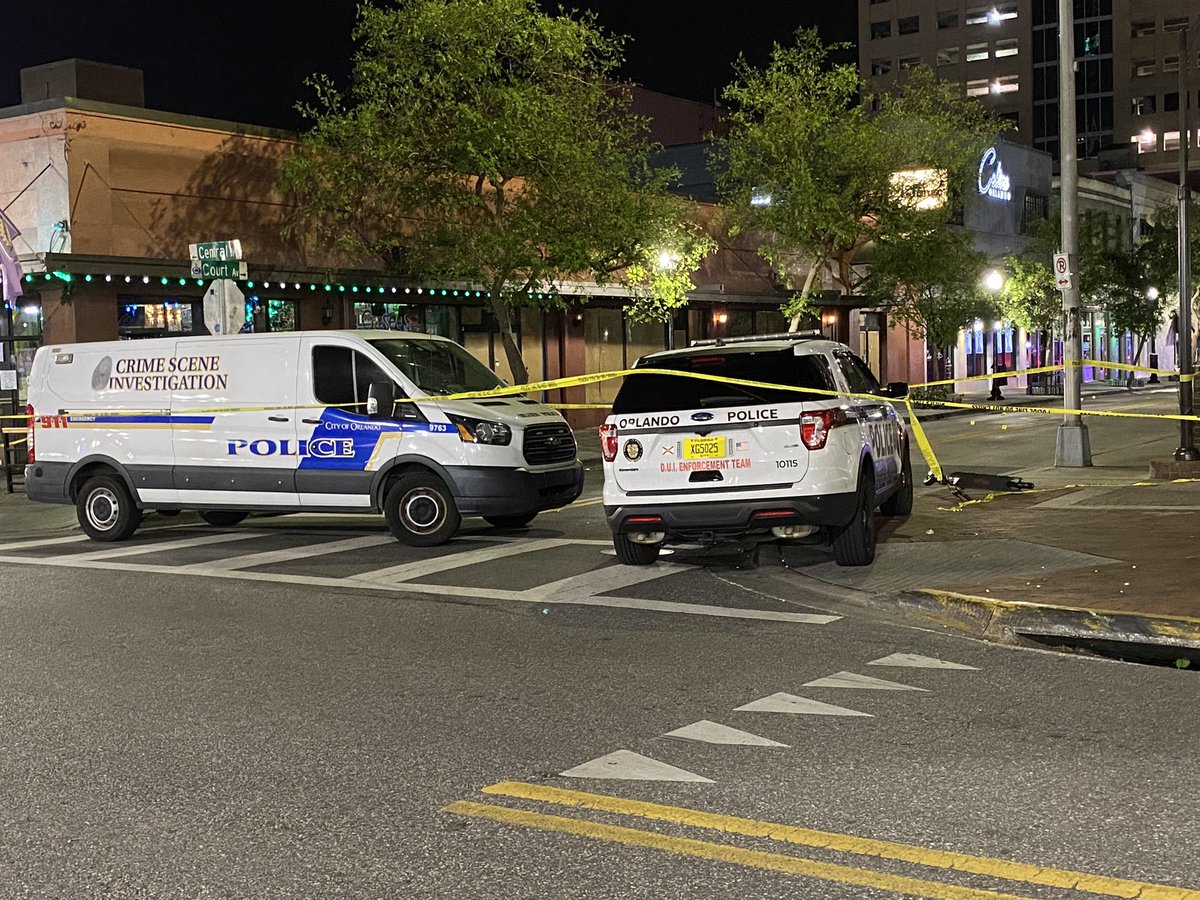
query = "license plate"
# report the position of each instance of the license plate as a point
(704, 448)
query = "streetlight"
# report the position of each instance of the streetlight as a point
(1187, 447)
(994, 280)
(1072, 447)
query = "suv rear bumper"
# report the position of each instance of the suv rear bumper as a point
(730, 518)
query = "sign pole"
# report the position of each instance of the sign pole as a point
(1072, 447)
(1187, 447)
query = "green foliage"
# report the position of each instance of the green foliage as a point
(803, 134)
(931, 277)
(486, 141)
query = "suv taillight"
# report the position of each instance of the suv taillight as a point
(815, 426)
(608, 442)
(29, 425)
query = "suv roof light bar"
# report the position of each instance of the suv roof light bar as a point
(780, 336)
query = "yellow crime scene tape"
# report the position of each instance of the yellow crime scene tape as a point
(909, 402)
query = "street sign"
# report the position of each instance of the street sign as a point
(216, 251)
(1064, 272)
(233, 269)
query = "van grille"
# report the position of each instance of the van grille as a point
(545, 444)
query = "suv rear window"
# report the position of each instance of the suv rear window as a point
(658, 393)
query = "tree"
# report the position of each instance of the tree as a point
(821, 160)
(1029, 297)
(485, 142)
(930, 277)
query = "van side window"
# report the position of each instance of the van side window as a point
(342, 377)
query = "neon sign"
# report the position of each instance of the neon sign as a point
(993, 180)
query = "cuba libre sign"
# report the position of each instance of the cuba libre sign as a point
(993, 180)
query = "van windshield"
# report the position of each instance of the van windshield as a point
(438, 367)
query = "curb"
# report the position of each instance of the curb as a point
(1017, 623)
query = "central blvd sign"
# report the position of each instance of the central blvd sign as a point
(232, 269)
(216, 251)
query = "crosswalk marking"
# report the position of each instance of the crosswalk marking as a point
(421, 568)
(115, 552)
(274, 556)
(625, 765)
(602, 581)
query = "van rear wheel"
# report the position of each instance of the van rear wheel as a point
(632, 553)
(106, 510)
(222, 518)
(420, 510)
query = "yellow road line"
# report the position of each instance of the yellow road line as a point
(757, 859)
(942, 859)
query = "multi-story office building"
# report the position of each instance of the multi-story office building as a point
(1006, 54)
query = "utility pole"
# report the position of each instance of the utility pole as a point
(1187, 446)
(1071, 447)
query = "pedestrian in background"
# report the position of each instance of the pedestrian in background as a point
(997, 383)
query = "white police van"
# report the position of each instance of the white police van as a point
(704, 460)
(314, 421)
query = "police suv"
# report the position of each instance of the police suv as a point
(707, 459)
(317, 421)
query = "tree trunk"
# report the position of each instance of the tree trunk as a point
(794, 325)
(502, 310)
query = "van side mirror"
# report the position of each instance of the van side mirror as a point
(896, 390)
(381, 399)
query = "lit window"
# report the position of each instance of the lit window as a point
(991, 15)
(1005, 84)
(1142, 29)
(979, 87)
(948, 56)
(1006, 47)
(909, 62)
(1171, 140)
(1144, 67)
(1170, 63)
(977, 52)
(1146, 140)
(909, 25)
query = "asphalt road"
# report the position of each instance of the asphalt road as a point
(301, 708)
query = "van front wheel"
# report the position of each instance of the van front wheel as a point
(106, 510)
(420, 510)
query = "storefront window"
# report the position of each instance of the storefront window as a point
(603, 333)
(389, 316)
(142, 318)
(20, 336)
(270, 314)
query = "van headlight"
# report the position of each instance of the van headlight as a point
(480, 431)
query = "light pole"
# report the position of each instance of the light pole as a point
(1187, 447)
(1071, 447)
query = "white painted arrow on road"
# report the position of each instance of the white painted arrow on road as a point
(861, 682)
(917, 661)
(630, 766)
(790, 703)
(716, 733)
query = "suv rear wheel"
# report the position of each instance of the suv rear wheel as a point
(631, 553)
(854, 543)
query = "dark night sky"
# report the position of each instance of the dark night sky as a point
(247, 61)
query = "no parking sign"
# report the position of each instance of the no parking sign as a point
(1064, 272)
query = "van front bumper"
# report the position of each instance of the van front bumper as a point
(498, 491)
